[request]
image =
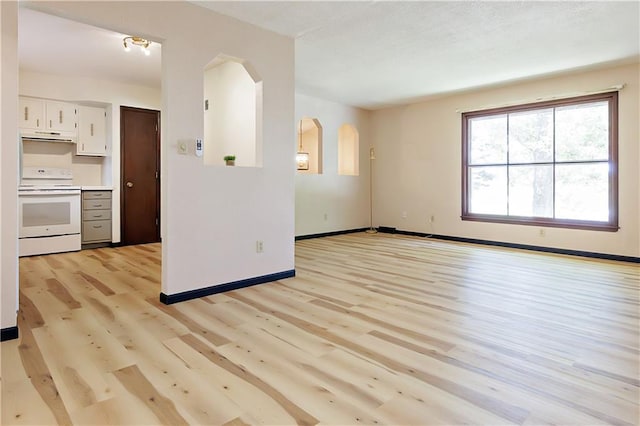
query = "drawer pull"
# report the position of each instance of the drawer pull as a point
(91, 129)
(97, 215)
(26, 113)
(97, 205)
(97, 226)
(60, 116)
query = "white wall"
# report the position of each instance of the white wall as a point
(94, 170)
(343, 199)
(9, 163)
(418, 166)
(212, 216)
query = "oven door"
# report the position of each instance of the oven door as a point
(44, 213)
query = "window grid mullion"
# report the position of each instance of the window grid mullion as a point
(508, 167)
(553, 172)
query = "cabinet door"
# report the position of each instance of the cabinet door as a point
(61, 116)
(96, 231)
(92, 138)
(31, 113)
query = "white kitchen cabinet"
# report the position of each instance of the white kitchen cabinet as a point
(92, 136)
(31, 113)
(46, 115)
(61, 116)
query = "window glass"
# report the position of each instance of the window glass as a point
(531, 191)
(489, 190)
(531, 136)
(488, 140)
(582, 132)
(582, 191)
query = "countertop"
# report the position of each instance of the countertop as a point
(96, 188)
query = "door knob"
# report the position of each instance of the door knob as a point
(129, 184)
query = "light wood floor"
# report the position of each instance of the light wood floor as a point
(375, 329)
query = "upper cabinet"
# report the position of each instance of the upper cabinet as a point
(92, 137)
(50, 119)
(61, 116)
(45, 115)
(31, 113)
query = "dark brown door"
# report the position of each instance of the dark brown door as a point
(140, 175)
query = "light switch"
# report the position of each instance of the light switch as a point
(182, 147)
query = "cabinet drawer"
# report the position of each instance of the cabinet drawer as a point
(96, 215)
(98, 204)
(96, 230)
(91, 195)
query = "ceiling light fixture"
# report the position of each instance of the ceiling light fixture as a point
(302, 158)
(137, 41)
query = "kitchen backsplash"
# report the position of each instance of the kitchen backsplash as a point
(86, 170)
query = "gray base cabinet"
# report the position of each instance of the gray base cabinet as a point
(96, 218)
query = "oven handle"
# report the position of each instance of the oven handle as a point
(49, 192)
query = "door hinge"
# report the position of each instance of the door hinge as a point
(157, 221)
(157, 175)
(156, 127)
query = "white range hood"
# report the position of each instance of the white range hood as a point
(48, 136)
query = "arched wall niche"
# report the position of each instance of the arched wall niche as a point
(348, 150)
(310, 142)
(232, 112)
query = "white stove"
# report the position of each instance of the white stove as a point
(49, 211)
(42, 178)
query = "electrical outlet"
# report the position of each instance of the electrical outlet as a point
(259, 246)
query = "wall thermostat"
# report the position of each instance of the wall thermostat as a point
(199, 147)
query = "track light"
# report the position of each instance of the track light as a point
(143, 43)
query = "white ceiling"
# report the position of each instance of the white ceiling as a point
(374, 53)
(54, 45)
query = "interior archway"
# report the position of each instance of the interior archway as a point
(232, 112)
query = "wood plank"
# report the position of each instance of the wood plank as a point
(300, 416)
(40, 376)
(375, 329)
(141, 388)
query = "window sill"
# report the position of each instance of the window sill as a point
(554, 223)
